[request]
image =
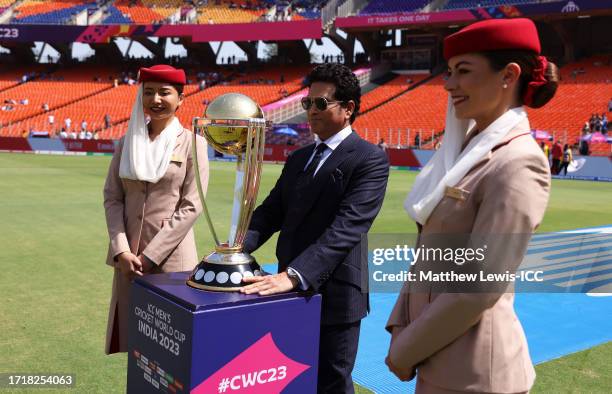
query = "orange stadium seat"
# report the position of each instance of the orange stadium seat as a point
(62, 88)
(422, 110)
(397, 121)
(390, 89)
(117, 102)
(139, 12)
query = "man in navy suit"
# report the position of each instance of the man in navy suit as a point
(323, 203)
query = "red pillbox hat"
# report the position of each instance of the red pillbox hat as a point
(162, 73)
(491, 35)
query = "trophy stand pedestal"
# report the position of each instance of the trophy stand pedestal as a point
(181, 339)
(224, 271)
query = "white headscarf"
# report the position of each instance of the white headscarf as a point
(449, 164)
(141, 158)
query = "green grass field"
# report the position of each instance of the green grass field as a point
(56, 287)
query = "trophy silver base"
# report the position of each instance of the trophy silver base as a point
(224, 271)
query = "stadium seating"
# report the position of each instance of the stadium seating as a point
(470, 4)
(388, 6)
(57, 89)
(262, 93)
(117, 102)
(115, 16)
(49, 12)
(138, 12)
(397, 121)
(13, 77)
(223, 14)
(390, 89)
(585, 88)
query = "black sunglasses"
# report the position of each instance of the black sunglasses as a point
(321, 103)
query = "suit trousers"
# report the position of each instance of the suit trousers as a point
(337, 353)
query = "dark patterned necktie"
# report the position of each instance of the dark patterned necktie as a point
(314, 163)
(306, 177)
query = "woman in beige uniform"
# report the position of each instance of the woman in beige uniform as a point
(489, 180)
(150, 195)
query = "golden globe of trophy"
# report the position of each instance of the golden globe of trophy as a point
(232, 124)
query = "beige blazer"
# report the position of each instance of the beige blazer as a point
(474, 342)
(154, 219)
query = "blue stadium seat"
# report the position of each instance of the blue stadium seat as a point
(55, 17)
(464, 4)
(388, 6)
(116, 17)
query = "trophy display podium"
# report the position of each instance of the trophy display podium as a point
(183, 339)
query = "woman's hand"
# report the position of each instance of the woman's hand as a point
(147, 265)
(129, 265)
(405, 375)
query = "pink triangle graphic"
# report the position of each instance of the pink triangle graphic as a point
(261, 369)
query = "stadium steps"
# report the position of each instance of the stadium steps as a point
(411, 88)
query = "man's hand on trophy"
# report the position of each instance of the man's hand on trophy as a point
(129, 265)
(269, 284)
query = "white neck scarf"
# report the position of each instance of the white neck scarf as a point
(449, 164)
(141, 158)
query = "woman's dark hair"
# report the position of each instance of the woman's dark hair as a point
(347, 84)
(528, 61)
(179, 88)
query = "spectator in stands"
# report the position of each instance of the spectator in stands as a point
(45, 107)
(604, 123)
(83, 125)
(583, 147)
(67, 123)
(63, 133)
(597, 123)
(557, 155)
(383, 145)
(499, 186)
(586, 129)
(610, 105)
(107, 121)
(567, 159)
(82, 134)
(51, 120)
(417, 141)
(152, 163)
(592, 121)
(72, 135)
(95, 135)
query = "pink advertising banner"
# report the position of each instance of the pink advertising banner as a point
(404, 18)
(273, 31)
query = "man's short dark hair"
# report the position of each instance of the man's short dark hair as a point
(347, 84)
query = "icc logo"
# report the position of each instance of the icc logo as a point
(570, 7)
